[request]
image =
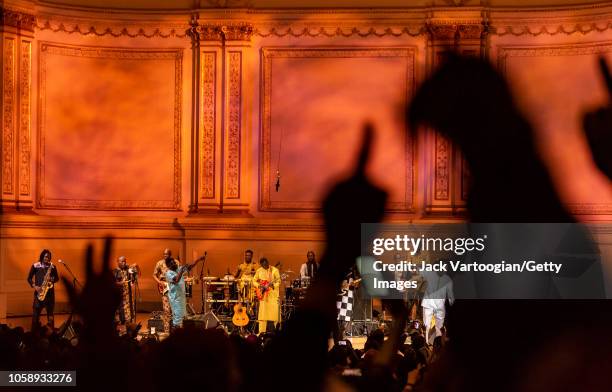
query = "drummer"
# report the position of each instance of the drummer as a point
(246, 270)
(309, 268)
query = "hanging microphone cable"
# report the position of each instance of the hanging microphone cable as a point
(280, 146)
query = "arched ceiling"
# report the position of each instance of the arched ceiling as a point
(296, 4)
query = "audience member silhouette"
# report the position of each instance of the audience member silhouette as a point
(469, 102)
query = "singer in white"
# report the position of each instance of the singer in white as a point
(439, 288)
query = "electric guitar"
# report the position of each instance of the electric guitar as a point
(264, 288)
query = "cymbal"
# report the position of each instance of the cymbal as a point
(209, 278)
(288, 272)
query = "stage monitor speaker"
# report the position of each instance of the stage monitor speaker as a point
(66, 330)
(158, 324)
(206, 321)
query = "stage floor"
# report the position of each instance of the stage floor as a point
(26, 322)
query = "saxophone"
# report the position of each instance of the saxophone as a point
(46, 285)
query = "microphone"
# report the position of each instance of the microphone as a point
(277, 186)
(60, 261)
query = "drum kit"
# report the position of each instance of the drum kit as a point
(223, 294)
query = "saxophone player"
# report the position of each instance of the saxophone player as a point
(43, 273)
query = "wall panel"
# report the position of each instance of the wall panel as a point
(109, 126)
(314, 103)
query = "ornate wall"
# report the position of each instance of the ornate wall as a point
(169, 129)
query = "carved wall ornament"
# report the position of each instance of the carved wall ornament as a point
(220, 32)
(113, 29)
(442, 168)
(8, 114)
(24, 117)
(232, 161)
(362, 31)
(208, 123)
(443, 31)
(17, 19)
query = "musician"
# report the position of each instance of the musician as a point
(267, 284)
(125, 277)
(310, 267)
(36, 278)
(247, 268)
(350, 282)
(245, 273)
(439, 288)
(159, 274)
(177, 298)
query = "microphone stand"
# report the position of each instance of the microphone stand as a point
(75, 284)
(202, 293)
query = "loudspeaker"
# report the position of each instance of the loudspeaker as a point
(158, 324)
(206, 321)
(66, 330)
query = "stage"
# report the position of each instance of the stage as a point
(25, 322)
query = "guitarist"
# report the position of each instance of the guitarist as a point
(267, 284)
(36, 277)
(176, 289)
(159, 274)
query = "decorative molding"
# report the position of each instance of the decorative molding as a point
(25, 89)
(552, 50)
(133, 29)
(232, 161)
(590, 48)
(178, 106)
(590, 209)
(208, 116)
(229, 3)
(454, 30)
(567, 29)
(361, 31)
(17, 19)
(268, 54)
(223, 31)
(179, 225)
(442, 168)
(45, 49)
(8, 114)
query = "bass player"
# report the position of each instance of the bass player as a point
(159, 274)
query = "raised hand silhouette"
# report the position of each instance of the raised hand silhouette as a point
(98, 300)
(350, 203)
(598, 127)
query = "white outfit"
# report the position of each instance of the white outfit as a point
(437, 290)
(304, 271)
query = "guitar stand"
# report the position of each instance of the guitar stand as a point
(191, 309)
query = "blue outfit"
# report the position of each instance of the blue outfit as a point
(176, 297)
